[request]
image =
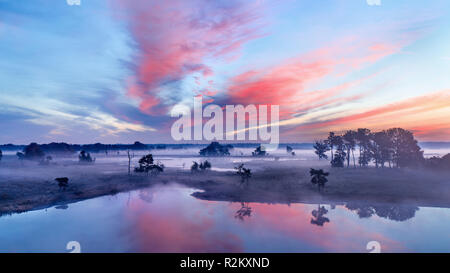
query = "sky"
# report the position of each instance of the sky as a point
(110, 71)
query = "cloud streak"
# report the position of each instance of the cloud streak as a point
(175, 38)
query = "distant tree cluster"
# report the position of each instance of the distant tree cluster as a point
(31, 152)
(203, 166)
(438, 163)
(260, 151)
(85, 157)
(147, 165)
(216, 149)
(394, 147)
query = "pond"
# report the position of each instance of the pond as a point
(167, 218)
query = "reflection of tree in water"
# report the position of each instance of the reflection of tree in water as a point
(396, 213)
(318, 216)
(244, 211)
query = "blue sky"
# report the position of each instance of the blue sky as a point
(109, 71)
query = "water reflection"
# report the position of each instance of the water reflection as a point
(244, 211)
(318, 216)
(391, 212)
(168, 219)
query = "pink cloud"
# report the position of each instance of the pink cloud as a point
(288, 83)
(174, 38)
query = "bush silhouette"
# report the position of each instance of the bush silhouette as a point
(146, 165)
(319, 178)
(84, 157)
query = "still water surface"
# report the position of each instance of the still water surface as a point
(169, 219)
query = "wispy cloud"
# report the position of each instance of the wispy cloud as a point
(175, 38)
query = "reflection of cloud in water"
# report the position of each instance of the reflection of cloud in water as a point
(176, 225)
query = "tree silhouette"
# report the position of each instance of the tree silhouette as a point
(318, 177)
(84, 157)
(205, 165)
(331, 141)
(349, 139)
(195, 167)
(1, 155)
(340, 154)
(146, 165)
(260, 151)
(363, 138)
(130, 157)
(33, 152)
(289, 149)
(215, 149)
(405, 150)
(395, 146)
(244, 173)
(321, 147)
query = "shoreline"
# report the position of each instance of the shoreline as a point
(274, 184)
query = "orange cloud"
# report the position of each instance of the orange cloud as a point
(422, 114)
(287, 84)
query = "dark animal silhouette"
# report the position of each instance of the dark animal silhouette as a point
(63, 182)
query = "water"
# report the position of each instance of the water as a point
(168, 219)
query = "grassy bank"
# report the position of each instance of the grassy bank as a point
(27, 188)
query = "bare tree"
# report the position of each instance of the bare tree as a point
(130, 157)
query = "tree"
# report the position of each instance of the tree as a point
(321, 147)
(340, 154)
(146, 165)
(405, 150)
(363, 138)
(438, 163)
(244, 173)
(33, 152)
(381, 148)
(318, 177)
(260, 151)
(215, 149)
(130, 157)
(1, 155)
(84, 157)
(194, 167)
(289, 149)
(205, 166)
(330, 141)
(350, 142)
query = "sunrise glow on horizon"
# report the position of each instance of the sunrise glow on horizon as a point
(110, 71)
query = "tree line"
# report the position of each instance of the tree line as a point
(395, 147)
